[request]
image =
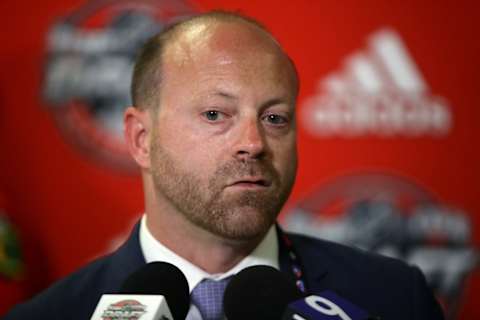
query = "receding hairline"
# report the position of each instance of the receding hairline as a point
(147, 73)
(214, 18)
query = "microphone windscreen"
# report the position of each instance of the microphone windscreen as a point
(161, 278)
(259, 292)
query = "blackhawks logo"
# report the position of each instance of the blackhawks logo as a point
(11, 265)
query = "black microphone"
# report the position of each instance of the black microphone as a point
(158, 290)
(259, 292)
(325, 306)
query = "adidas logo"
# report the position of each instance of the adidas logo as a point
(379, 92)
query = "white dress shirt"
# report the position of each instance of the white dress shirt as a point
(266, 253)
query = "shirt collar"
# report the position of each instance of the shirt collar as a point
(266, 253)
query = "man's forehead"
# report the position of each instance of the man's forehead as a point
(207, 52)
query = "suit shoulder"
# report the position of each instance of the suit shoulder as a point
(385, 286)
(76, 296)
(77, 292)
(315, 250)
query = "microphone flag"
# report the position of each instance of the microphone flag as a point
(326, 306)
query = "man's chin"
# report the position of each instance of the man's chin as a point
(245, 223)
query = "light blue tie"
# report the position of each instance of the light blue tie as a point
(207, 296)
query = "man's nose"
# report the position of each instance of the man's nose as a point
(250, 141)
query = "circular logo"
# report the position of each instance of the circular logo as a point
(393, 216)
(90, 58)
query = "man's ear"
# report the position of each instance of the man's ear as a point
(137, 135)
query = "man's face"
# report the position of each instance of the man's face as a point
(223, 150)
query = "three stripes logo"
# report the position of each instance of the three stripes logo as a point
(379, 92)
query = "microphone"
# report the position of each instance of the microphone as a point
(259, 293)
(326, 306)
(157, 291)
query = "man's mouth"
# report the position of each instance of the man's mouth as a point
(251, 183)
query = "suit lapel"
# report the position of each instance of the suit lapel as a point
(316, 273)
(127, 259)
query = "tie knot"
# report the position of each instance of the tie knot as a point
(207, 296)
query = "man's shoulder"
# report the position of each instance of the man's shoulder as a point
(76, 296)
(328, 253)
(382, 285)
(71, 297)
(350, 267)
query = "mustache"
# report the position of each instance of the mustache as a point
(235, 169)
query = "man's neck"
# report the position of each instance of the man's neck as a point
(209, 252)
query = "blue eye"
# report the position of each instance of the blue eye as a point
(276, 119)
(212, 115)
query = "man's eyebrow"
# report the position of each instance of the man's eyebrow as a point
(226, 95)
(265, 105)
(274, 101)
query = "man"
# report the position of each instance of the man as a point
(213, 131)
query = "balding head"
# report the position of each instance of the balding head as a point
(218, 151)
(212, 32)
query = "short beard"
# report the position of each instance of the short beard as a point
(243, 216)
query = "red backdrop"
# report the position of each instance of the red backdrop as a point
(68, 206)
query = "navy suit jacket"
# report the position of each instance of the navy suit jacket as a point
(383, 286)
